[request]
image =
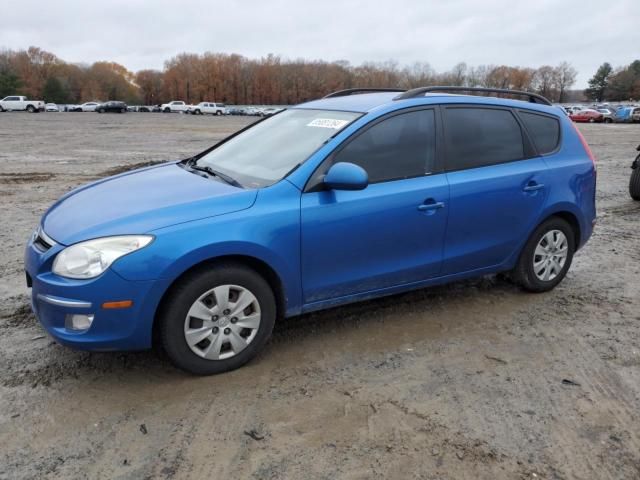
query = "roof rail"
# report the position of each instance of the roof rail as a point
(417, 92)
(356, 91)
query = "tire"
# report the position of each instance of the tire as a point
(591, 120)
(608, 120)
(123, 110)
(218, 113)
(196, 291)
(198, 112)
(30, 108)
(524, 273)
(634, 183)
(166, 110)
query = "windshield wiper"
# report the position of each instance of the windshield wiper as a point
(216, 173)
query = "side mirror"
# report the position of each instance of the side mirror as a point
(346, 176)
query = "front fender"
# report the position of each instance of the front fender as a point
(269, 231)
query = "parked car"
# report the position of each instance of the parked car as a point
(175, 106)
(607, 115)
(587, 115)
(144, 108)
(234, 110)
(51, 107)
(634, 181)
(16, 103)
(205, 254)
(207, 108)
(267, 112)
(112, 106)
(573, 109)
(253, 111)
(86, 107)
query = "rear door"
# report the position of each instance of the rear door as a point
(391, 232)
(498, 186)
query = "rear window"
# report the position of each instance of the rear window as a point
(476, 137)
(544, 131)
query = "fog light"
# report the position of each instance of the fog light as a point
(78, 321)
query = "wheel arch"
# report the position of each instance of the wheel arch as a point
(571, 219)
(261, 267)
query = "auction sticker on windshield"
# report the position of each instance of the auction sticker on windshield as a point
(328, 123)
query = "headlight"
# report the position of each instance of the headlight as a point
(89, 259)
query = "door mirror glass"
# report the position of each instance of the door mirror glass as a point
(346, 176)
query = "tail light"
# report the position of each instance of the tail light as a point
(585, 145)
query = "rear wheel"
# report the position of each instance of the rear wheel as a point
(217, 319)
(634, 183)
(101, 110)
(546, 257)
(122, 110)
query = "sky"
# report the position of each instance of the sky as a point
(143, 34)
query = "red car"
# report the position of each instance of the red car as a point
(590, 116)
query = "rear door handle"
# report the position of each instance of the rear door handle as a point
(430, 204)
(533, 186)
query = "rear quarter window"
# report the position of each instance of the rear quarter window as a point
(544, 131)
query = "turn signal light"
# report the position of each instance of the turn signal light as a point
(119, 304)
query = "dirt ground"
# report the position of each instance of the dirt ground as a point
(474, 380)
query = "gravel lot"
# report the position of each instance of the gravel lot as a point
(472, 380)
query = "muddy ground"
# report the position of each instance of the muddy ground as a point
(473, 380)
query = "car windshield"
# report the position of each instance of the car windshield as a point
(268, 151)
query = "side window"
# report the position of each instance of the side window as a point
(402, 146)
(544, 131)
(12, 99)
(476, 137)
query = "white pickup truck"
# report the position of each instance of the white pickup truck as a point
(207, 107)
(175, 106)
(15, 103)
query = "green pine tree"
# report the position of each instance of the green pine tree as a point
(599, 82)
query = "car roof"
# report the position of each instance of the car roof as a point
(367, 102)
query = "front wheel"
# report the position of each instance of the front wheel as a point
(122, 110)
(31, 109)
(546, 256)
(634, 183)
(217, 319)
(218, 113)
(608, 120)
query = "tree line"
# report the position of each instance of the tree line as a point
(620, 84)
(235, 79)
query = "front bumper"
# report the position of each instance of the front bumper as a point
(53, 298)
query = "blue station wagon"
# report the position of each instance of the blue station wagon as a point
(354, 196)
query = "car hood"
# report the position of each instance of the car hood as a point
(141, 201)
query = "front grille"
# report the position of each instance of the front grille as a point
(41, 241)
(41, 244)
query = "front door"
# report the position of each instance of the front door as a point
(390, 233)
